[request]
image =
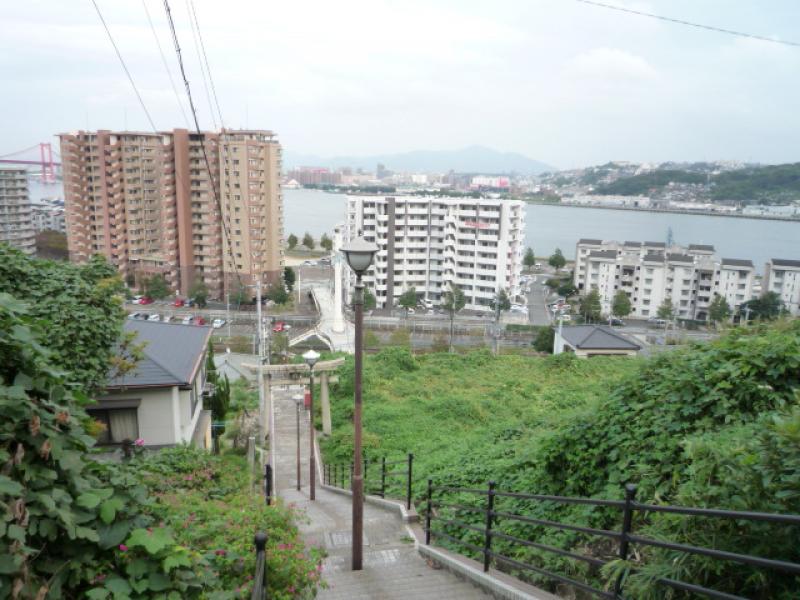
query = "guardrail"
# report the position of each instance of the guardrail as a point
(450, 514)
(341, 475)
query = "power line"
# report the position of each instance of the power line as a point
(124, 67)
(166, 64)
(208, 68)
(202, 68)
(202, 142)
(690, 24)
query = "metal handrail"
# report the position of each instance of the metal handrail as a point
(624, 537)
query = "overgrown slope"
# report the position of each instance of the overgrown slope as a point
(714, 425)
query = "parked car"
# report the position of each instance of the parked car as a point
(280, 326)
(410, 311)
(189, 302)
(616, 322)
(133, 315)
(155, 317)
(166, 319)
(146, 300)
(309, 263)
(178, 302)
(136, 299)
(199, 321)
(656, 321)
(187, 320)
(218, 323)
(325, 260)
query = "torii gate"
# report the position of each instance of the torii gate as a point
(296, 374)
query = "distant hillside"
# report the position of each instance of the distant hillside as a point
(640, 185)
(772, 184)
(474, 159)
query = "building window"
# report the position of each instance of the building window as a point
(119, 424)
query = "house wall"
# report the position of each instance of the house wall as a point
(156, 426)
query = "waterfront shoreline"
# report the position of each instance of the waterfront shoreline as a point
(675, 211)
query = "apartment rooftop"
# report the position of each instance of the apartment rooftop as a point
(590, 241)
(674, 257)
(603, 254)
(783, 262)
(737, 262)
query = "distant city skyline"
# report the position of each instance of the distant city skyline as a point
(560, 82)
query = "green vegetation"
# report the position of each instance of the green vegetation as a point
(289, 278)
(454, 300)
(641, 185)
(174, 524)
(529, 260)
(773, 184)
(557, 260)
(52, 245)
(545, 336)
(718, 310)
(666, 310)
(326, 242)
(769, 306)
(156, 287)
(370, 301)
(308, 241)
(621, 307)
(408, 299)
(714, 425)
(591, 308)
(199, 293)
(291, 241)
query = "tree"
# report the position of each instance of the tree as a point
(454, 301)
(291, 241)
(529, 260)
(544, 339)
(767, 307)
(308, 241)
(156, 287)
(326, 242)
(277, 293)
(621, 306)
(666, 310)
(199, 293)
(591, 308)
(567, 289)
(718, 310)
(500, 303)
(289, 278)
(408, 299)
(370, 301)
(52, 244)
(278, 347)
(557, 260)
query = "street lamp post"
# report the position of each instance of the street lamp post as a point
(298, 400)
(359, 255)
(311, 359)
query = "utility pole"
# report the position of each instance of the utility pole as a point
(261, 395)
(228, 313)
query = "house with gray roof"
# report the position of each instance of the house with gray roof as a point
(586, 341)
(160, 400)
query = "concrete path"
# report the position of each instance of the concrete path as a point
(393, 569)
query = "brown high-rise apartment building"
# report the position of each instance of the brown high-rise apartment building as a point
(146, 201)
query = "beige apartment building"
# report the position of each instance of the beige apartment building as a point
(146, 202)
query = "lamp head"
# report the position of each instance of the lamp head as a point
(298, 399)
(311, 358)
(359, 255)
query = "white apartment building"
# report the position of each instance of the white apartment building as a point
(430, 243)
(783, 277)
(48, 218)
(16, 227)
(690, 277)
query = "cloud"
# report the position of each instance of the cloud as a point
(611, 65)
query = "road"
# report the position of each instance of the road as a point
(537, 301)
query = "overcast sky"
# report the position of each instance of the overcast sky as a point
(560, 81)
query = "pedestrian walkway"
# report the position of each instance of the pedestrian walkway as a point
(393, 569)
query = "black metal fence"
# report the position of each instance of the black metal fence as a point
(260, 578)
(376, 472)
(439, 511)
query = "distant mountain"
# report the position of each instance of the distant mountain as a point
(474, 159)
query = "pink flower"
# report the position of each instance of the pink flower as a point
(220, 552)
(139, 442)
(123, 548)
(188, 478)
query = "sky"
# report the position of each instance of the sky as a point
(560, 81)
